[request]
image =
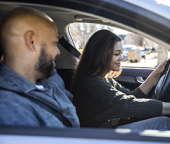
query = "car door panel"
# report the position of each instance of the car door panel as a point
(133, 77)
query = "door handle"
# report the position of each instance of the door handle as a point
(140, 79)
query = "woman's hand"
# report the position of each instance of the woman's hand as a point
(160, 68)
(150, 81)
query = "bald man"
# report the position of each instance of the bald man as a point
(29, 40)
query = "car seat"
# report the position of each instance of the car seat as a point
(59, 81)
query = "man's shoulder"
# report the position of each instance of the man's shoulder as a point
(15, 109)
(11, 98)
(6, 94)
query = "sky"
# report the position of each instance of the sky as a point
(164, 2)
(120, 31)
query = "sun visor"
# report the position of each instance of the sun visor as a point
(81, 18)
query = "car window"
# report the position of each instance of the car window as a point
(137, 50)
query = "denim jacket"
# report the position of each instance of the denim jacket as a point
(18, 110)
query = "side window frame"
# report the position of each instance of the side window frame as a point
(144, 60)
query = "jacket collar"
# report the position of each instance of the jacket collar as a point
(10, 79)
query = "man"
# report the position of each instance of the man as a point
(29, 43)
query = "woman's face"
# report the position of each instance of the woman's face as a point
(117, 57)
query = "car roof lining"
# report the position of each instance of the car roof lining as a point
(63, 17)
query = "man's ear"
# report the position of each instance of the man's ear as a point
(30, 39)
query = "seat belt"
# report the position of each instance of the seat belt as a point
(69, 48)
(50, 109)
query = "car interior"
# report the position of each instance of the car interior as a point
(66, 63)
(68, 58)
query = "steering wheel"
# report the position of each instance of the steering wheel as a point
(162, 90)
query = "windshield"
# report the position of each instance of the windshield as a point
(160, 7)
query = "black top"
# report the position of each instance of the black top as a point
(98, 101)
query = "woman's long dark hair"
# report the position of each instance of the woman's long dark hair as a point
(96, 57)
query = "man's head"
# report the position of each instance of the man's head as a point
(29, 40)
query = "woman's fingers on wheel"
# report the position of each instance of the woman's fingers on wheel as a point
(161, 67)
(165, 62)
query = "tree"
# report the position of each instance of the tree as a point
(133, 39)
(81, 32)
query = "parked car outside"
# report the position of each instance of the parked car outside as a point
(148, 50)
(143, 53)
(138, 50)
(127, 47)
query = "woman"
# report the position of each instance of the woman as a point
(100, 101)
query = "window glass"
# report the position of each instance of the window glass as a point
(137, 51)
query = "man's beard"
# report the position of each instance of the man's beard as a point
(45, 63)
